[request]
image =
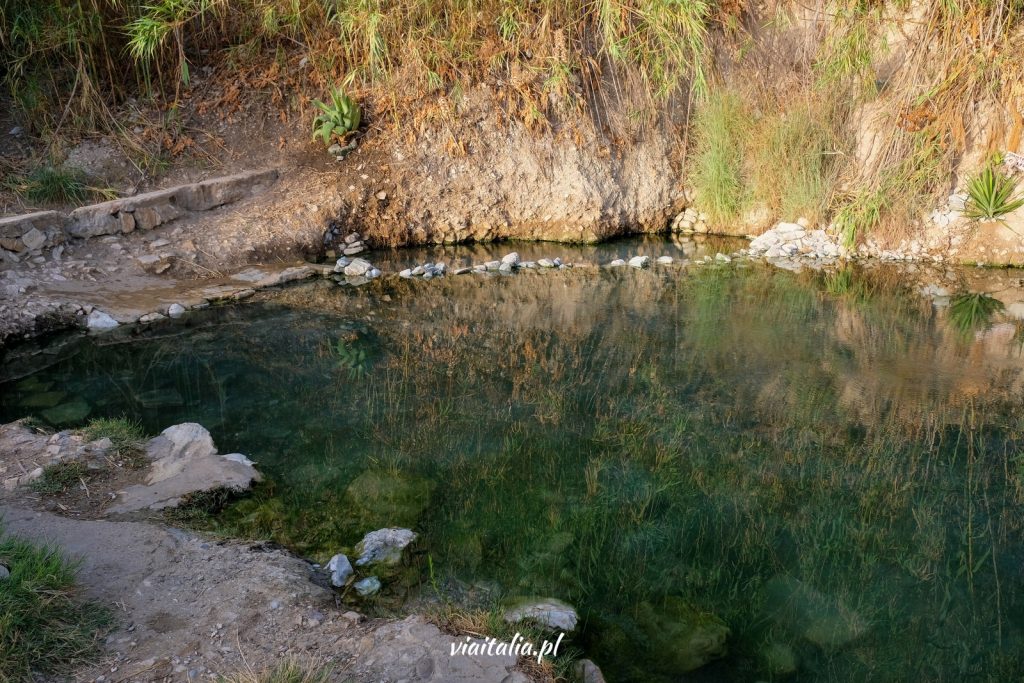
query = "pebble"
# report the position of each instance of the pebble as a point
(367, 586)
(175, 310)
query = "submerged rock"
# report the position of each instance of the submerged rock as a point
(368, 586)
(380, 499)
(822, 620)
(780, 660)
(684, 637)
(184, 461)
(72, 412)
(548, 612)
(383, 546)
(340, 570)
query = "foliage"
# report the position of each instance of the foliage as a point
(126, 437)
(337, 119)
(79, 57)
(60, 477)
(991, 194)
(350, 358)
(44, 626)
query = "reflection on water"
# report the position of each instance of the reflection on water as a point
(823, 470)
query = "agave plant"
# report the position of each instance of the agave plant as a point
(337, 119)
(990, 195)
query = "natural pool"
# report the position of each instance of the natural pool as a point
(828, 464)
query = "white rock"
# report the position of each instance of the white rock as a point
(340, 569)
(339, 266)
(616, 263)
(640, 261)
(665, 260)
(406, 273)
(549, 612)
(34, 239)
(357, 267)
(511, 258)
(383, 545)
(175, 310)
(545, 263)
(98, 321)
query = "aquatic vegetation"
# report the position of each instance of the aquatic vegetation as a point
(805, 461)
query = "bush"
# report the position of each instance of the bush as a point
(44, 627)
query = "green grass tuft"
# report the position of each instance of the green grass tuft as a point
(126, 437)
(290, 671)
(60, 478)
(44, 626)
(721, 129)
(52, 185)
(991, 195)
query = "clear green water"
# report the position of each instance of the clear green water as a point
(825, 463)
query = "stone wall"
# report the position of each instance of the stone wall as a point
(35, 231)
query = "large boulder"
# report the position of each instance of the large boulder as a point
(184, 461)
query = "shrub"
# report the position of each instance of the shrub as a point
(44, 627)
(991, 195)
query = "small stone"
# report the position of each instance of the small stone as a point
(505, 268)
(4, 572)
(407, 273)
(373, 272)
(461, 271)
(354, 249)
(368, 586)
(352, 238)
(545, 263)
(334, 149)
(511, 259)
(640, 261)
(722, 258)
(175, 310)
(492, 265)
(340, 569)
(381, 196)
(617, 263)
(339, 266)
(418, 270)
(665, 260)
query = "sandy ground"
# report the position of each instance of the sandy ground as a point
(189, 608)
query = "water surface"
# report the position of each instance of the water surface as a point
(827, 464)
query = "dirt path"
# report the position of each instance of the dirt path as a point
(190, 608)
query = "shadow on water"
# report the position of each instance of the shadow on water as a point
(738, 471)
